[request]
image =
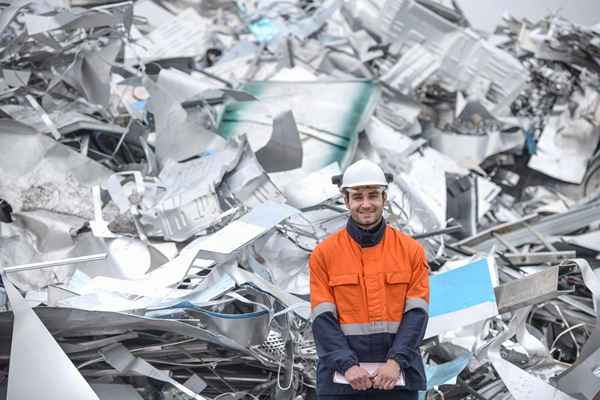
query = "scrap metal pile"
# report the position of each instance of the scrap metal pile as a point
(166, 171)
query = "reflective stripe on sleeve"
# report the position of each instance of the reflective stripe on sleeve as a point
(323, 308)
(416, 303)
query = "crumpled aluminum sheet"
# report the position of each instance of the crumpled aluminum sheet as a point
(192, 144)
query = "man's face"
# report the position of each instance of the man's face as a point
(366, 204)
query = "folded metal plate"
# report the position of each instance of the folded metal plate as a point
(461, 297)
(247, 329)
(36, 357)
(328, 127)
(75, 322)
(283, 151)
(229, 240)
(527, 291)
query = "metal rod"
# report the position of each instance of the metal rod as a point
(541, 237)
(506, 244)
(451, 229)
(55, 263)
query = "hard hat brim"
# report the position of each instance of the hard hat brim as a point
(364, 183)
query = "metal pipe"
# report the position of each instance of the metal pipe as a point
(55, 263)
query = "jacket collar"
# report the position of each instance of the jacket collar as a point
(366, 238)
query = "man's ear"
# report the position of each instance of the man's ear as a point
(384, 194)
(346, 199)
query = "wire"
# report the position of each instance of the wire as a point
(582, 324)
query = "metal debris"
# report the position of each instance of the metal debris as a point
(166, 172)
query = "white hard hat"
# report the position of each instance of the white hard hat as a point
(363, 173)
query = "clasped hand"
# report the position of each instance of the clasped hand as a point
(384, 378)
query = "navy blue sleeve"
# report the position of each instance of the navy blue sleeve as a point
(332, 346)
(405, 348)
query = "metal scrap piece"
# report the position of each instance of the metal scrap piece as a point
(530, 290)
(10, 12)
(232, 238)
(448, 312)
(581, 380)
(120, 358)
(569, 140)
(546, 257)
(107, 391)
(314, 188)
(324, 139)
(431, 46)
(55, 263)
(248, 183)
(283, 151)
(54, 374)
(522, 385)
(577, 217)
(294, 303)
(190, 203)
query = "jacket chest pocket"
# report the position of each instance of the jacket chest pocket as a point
(347, 292)
(396, 288)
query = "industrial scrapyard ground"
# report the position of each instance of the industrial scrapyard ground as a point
(165, 173)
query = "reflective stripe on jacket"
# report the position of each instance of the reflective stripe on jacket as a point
(359, 297)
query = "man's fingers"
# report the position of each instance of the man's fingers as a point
(359, 383)
(377, 382)
(356, 384)
(389, 384)
(367, 382)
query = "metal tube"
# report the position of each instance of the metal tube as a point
(55, 263)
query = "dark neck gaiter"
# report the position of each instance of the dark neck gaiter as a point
(364, 237)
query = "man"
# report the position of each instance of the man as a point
(369, 298)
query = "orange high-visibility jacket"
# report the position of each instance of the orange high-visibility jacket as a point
(359, 297)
